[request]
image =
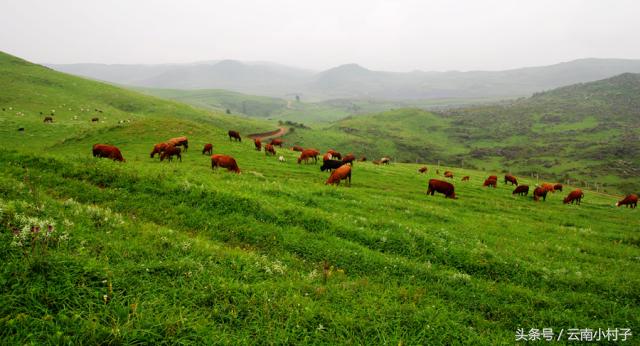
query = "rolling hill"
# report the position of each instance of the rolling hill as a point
(352, 81)
(151, 252)
(585, 132)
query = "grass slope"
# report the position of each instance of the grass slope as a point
(151, 252)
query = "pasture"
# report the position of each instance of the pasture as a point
(172, 252)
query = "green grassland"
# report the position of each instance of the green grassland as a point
(587, 132)
(172, 252)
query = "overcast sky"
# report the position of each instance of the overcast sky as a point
(400, 35)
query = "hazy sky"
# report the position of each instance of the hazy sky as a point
(398, 35)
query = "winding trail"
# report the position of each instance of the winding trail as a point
(275, 133)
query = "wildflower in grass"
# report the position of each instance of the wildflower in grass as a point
(461, 277)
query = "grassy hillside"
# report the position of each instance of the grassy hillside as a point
(587, 132)
(151, 252)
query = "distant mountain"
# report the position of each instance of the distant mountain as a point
(353, 81)
(253, 78)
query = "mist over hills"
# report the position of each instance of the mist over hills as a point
(352, 80)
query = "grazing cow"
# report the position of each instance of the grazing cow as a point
(335, 154)
(308, 154)
(158, 149)
(179, 142)
(557, 187)
(574, 196)
(224, 161)
(521, 190)
(540, 192)
(108, 151)
(269, 149)
(258, 144)
(465, 178)
(448, 174)
(350, 159)
(276, 142)
(376, 162)
(363, 159)
(548, 187)
(48, 119)
(208, 149)
(297, 148)
(423, 169)
(235, 135)
(443, 187)
(281, 158)
(171, 151)
(630, 200)
(491, 181)
(330, 165)
(327, 157)
(385, 160)
(341, 173)
(95, 120)
(510, 179)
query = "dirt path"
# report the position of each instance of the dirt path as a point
(275, 133)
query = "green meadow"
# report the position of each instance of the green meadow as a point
(150, 252)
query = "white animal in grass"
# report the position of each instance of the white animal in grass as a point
(281, 158)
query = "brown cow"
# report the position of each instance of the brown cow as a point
(327, 157)
(423, 169)
(443, 187)
(258, 143)
(385, 160)
(95, 120)
(224, 161)
(158, 149)
(334, 154)
(297, 148)
(363, 159)
(521, 190)
(630, 200)
(208, 149)
(574, 196)
(448, 174)
(48, 119)
(179, 142)
(557, 187)
(235, 135)
(510, 179)
(171, 151)
(491, 182)
(269, 149)
(350, 159)
(548, 187)
(540, 192)
(108, 151)
(308, 154)
(465, 178)
(341, 173)
(276, 142)
(376, 162)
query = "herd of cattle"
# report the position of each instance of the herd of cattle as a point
(341, 166)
